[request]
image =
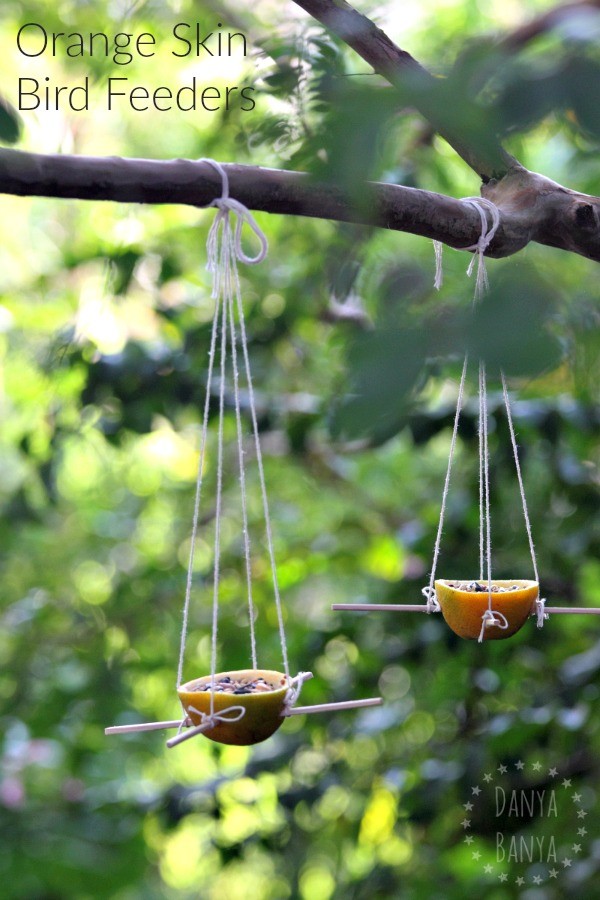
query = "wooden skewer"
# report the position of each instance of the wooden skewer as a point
(333, 707)
(381, 607)
(198, 729)
(144, 726)
(174, 723)
(186, 735)
(573, 610)
(407, 607)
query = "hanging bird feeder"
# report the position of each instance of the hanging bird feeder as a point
(244, 706)
(259, 696)
(480, 609)
(464, 606)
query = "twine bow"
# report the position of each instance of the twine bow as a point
(489, 618)
(209, 720)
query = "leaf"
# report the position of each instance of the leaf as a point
(385, 367)
(510, 327)
(10, 122)
(526, 99)
(582, 89)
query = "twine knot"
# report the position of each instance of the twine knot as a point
(294, 689)
(489, 618)
(431, 600)
(483, 242)
(231, 240)
(540, 612)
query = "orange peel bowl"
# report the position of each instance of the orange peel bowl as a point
(464, 610)
(263, 711)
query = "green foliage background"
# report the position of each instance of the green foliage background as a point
(104, 326)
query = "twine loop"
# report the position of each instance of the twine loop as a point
(295, 685)
(225, 205)
(209, 720)
(486, 236)
(489, 618)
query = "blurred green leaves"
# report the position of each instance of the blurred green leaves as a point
(10, 122)
(511, 328)
(385, 367)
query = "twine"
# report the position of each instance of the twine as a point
(224, 250)
(429, 591)
(294, 690)
(485, 238)
(540, 611)
(209, 720)
(490, 616)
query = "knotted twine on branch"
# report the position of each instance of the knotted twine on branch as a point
(478, 249)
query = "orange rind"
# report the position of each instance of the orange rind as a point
(263, 712)
(464, 610)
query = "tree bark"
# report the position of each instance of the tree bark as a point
(532, 207)
(266, 190)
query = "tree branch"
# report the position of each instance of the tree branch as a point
(402, 70)
(532, 207)
(266, 190)
(549, 20)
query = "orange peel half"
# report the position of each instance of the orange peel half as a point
(263, 712)
(464, 610)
